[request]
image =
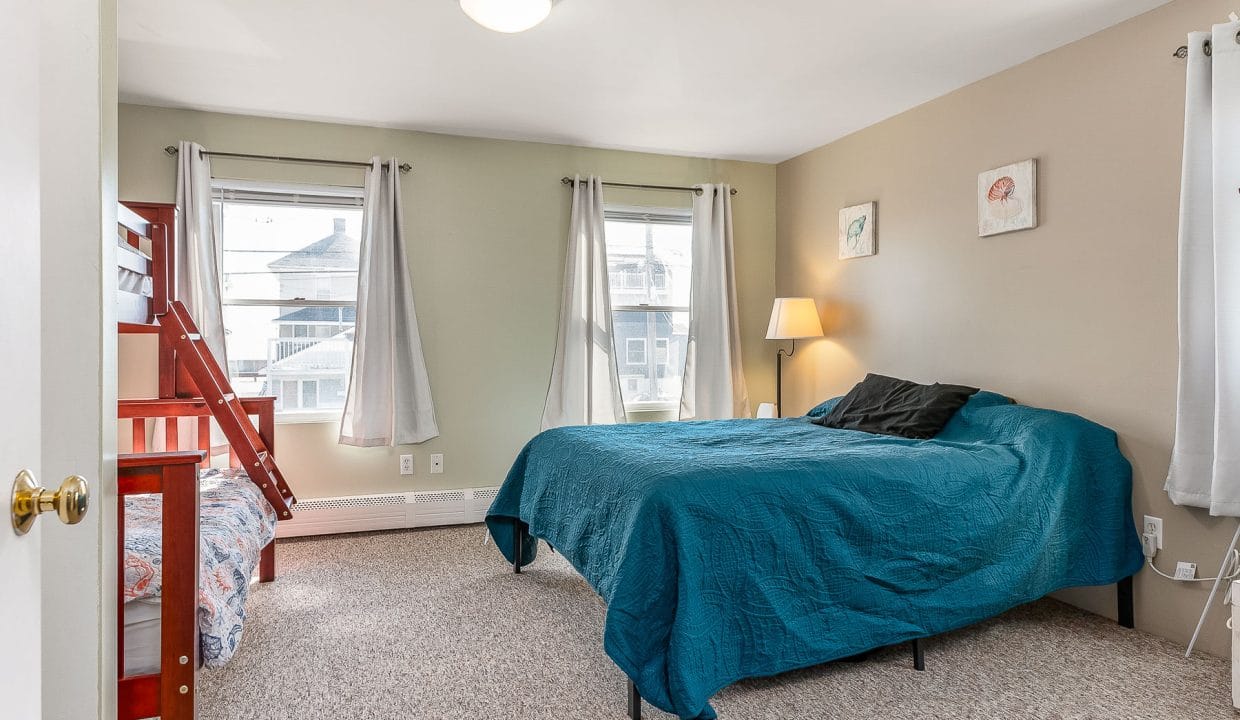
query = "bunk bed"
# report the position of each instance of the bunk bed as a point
(189, 535)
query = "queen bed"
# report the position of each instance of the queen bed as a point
(742, 548)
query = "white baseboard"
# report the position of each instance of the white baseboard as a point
(389, 511)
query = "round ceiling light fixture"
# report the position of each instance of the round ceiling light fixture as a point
(507, 16)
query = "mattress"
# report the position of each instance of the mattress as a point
(141, 637)
(236, 522)
(135, 287)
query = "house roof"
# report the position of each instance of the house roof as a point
(320, 314)
(336, 251)
(329, 355)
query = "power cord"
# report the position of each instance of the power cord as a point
(1149, 546)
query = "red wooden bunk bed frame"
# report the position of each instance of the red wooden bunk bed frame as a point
(191, 385)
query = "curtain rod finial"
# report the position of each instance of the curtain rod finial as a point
(171, 149)
(405, 167)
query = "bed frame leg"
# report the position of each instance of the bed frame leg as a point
(1123, 596)
(919, 657)
(635, 702)
(518, 546)
(267, 563)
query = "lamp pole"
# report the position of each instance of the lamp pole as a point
(779, 379)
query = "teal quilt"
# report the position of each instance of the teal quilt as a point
(742, 548)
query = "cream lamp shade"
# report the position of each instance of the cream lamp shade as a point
(507, 16)
(794, 318)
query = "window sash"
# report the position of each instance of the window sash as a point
(649, 216)
(225, 191)
(648, 308)
(296, 391)
(287, 302)
(245, 192)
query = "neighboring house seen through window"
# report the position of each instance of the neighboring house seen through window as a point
(648, 262)
(289, 269)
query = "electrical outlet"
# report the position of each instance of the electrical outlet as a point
(1153, 526)
(406, 464)
(1185, 571)
(436, 463)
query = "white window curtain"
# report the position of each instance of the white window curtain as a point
(585, 382)
(197, 252)
(714, 382)
(1205, 460)
(389, 399)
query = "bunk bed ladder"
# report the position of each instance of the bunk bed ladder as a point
(181, 334)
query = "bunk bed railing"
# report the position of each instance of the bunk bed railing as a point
(140, 412)
(170, 692)
(143, 416)
(148, 253)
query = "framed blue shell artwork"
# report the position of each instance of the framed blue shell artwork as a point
(858, 234)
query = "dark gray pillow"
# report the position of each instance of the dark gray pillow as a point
(890, 406)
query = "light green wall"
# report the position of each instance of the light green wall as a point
(487, 225)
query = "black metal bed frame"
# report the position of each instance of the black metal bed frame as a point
(1123, 597)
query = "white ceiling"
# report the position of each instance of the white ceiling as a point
(740, 79)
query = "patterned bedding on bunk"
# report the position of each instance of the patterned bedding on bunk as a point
(236, 523)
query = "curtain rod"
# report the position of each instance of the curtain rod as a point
(674, 188)
(173, 150)
(1182, 51)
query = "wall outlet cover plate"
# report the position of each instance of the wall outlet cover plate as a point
(1153, 525)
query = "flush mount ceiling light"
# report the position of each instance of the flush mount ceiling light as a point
(507, 16)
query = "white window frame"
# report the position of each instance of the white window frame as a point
(667, 216)
(285, 194)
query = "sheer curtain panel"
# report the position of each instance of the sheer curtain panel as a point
(389, 398)
(585, 382)
(1205, 461)
(197, 254)
(714, 382)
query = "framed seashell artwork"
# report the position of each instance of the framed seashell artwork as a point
(1007, 198)
(857, 231)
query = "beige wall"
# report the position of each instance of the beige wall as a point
(487, 221)
(1078, 314)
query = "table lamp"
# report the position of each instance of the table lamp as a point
(792, 318)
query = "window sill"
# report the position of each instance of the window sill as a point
(306, 418)
(652, 407)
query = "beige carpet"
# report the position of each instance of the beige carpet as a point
(433, 625)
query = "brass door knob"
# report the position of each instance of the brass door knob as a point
(30, 500)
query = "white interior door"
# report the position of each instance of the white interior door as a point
(20, 437)
(57, 353)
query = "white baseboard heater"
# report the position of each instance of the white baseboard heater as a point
(388, 511)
